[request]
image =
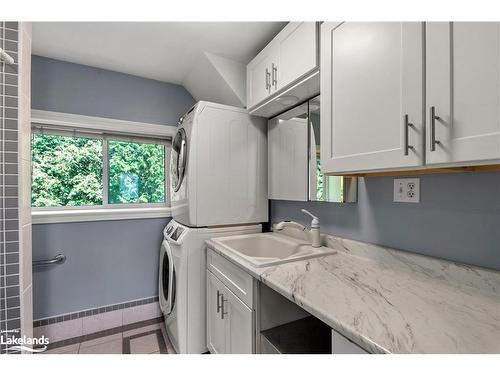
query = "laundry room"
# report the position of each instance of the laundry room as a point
(262, 186)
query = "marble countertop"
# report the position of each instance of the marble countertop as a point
(390, 301)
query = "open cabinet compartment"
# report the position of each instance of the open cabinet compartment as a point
(304, 336)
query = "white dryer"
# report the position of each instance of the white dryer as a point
(182, 282)
(218, 167)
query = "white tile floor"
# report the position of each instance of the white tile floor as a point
(143, 340)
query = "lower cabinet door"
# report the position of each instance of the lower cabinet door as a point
(216, 330)
(239, 325)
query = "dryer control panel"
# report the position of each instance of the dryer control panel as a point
(174, 231)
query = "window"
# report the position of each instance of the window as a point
(328, 188)
(136, 172)
(72, 169)
(66, 171)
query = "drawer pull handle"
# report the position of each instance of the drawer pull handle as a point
(274, 70)
(222, 312)
(268, 77)
(434, 142)
(219, 295)
(407, 125)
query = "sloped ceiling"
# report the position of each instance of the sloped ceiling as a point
(208, 58)
(217, 79)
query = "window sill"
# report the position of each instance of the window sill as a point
(97, 214)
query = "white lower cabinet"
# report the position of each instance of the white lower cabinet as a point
(239, 323)
(216, 340)
(230, 321)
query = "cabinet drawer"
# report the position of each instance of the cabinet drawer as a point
(341, 345)
(234, 278)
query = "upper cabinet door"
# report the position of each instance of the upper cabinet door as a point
(298, 53)
(259, 76)
(463, 92)
(290, 57)
(371, 96)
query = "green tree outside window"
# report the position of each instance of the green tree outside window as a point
(68, 171)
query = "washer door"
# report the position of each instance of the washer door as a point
(178, 159)
(167, 279)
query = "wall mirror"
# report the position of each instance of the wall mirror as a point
(294, 141)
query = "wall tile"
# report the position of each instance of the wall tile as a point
(11, 25)
(27, 309)
(10, 34)
(25, 131)
(60, 331)
(140, 313)
(101, 322)
(25, 193)
(16, 295)
(26, 257)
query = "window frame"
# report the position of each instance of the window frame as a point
(62, 124)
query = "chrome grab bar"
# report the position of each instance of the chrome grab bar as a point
(58, 259)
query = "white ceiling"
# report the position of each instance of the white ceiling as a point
(165, 51)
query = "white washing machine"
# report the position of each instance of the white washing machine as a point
(182, 285)
(218, 167)
(218, 176)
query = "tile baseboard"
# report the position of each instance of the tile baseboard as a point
(93, 311)
(102, 334)
(98, 320)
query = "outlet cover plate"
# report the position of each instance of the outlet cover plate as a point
(407, 190)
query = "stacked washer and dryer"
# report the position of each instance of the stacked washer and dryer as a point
(218, 186)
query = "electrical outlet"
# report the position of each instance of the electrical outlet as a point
(407, 190)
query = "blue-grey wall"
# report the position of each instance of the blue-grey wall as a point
(108, 262)
(73, 88)
(458, 217)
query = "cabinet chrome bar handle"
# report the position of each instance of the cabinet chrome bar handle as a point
(433, 119)
(407, 125)
(274, 70)
(58, 259)
(268, 76)
(219, 295)
(222, 312)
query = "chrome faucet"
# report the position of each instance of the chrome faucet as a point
(314, 233)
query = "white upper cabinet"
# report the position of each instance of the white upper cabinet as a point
(372, 111)
(290, 56)
(463, 91)
(259, 75)
(288, 159)
(297, 52)
(371, 96)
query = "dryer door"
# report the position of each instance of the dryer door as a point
(167, 279)
(178, 159)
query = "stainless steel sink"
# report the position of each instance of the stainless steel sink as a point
(266, 249)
